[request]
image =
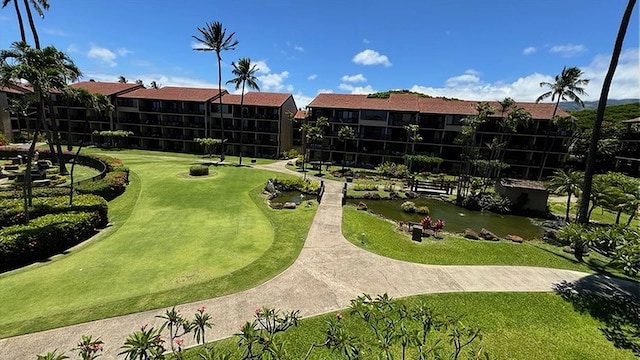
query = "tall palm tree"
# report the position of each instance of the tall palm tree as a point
(123, 80)
(214, 38)
(46, 70)
(19, 15)
(39, 6)
(245, 75)
(566, 182)
(568, 85)
(345, 134)
(583, 217)
(414, 136)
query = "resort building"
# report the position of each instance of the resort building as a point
(628, 156)
(170, 118)
(379, 123)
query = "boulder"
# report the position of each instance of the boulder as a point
(470, 234)
(362, 206)
(488, 235)
(550, 235)
(276, 205)
(514, 238)
(270, 187)
(410, 195)
(429, 233)
(289, 205)
(568, 249)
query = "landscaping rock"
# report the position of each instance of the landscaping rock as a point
(470, 234)
(568, 249)
(514, 238)
(428, 233)
(289, 205)
(488, 235)
(276, 205)
(270, 187)
(371, 196)
(550, 235)
(410, 195)
(362, 206)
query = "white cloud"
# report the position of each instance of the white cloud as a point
(312, 77)
(325, 91)
(371, 57)
(73, 48)
(196, 45)
(273, 81)
(164, 79)
(262, 67)
(368, 89)
(298, 48)
(567, 50)
(103, 55)
(302, 100)
(529, 50)
(354, 78)
(123, 52)
(527, 88)
(56, 32)
(366, 41)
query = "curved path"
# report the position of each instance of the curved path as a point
(329, 272)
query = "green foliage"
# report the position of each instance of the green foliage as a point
(296, 184)
(485, 201)
(391, 169)
(290, 154)
(11, 210)
(613, 113)
(386, 94)
(209, 144)
(45, 236)
(424, 160)
(199, 170)
(3, 139)
(365, 186)
(109, 187)
(408, 206)
(424, 210)
(37, 192)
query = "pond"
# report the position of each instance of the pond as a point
(456, 218)
(291, 196)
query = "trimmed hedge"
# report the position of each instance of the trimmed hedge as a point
(37, 192)
(109, 187)
(198, 170)
(44, 237)
(11, 210)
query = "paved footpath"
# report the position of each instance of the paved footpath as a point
(328, 273)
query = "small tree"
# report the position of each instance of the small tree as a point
(209, 144)
(345, 134)
(568, 182)
(413, 135)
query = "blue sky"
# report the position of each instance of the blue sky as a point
(477, 50)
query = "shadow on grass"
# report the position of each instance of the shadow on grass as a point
(614, 302)
(596, 265)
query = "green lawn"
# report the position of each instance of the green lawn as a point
(599, 214)
(514, 326)
(174, 239)
(81, 172)
(380, 237)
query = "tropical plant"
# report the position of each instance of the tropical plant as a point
(259, 339)
(345, 134)
(89, 348)
(122, 79)
(574, 235)
(208, 144)
(567, 85)
(144, 344)
(245, 75)
(315, 135)
(568, 182)
(597, 125)
(52, 355)
(413, 136)
(46, 70)
(201, 322)
(214, 38)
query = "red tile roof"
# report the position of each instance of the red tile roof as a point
(16, 89)
(257, 98)
(106, 88)
(416, 103)
(300, 115)
(173, 93)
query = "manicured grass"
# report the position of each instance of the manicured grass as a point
(174, 239)
(81, 172)
(201, 157)
(514, 326)
(599, 214)
(380, 236)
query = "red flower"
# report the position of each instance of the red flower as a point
(179, 342)
(339, 316)
(201, 309)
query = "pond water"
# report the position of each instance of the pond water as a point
(291, 196)
(456, 218)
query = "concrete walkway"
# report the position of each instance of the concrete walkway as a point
(329, 272)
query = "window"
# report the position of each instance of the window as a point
(373, 115)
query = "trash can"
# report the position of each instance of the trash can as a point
(416, 233)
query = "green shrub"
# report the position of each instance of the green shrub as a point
(290, 154)
(297, 183)
(368, 186)
(11, 210)
(3, 139)
(37, 192)
(199, 170)
(110, 187)
(424, 210)
(45, 236)
(408, 206)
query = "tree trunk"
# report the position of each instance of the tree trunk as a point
(36, 40)
(20, 23)
(633, 214)
(220, 102)
(241, 122)
(618, 216)
(566, 216)
(597, 126)
(75, 160)
(56, 139)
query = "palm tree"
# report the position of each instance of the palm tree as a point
(597, 125)
(215, 38)
(413, 135)
(46, 70)
(154, 85)
(566, 182)
(39, 6)
(123, 80)
(245, 75)
(19, 15)
(315, 134)
(567, 85)
(345, 134)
